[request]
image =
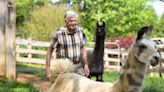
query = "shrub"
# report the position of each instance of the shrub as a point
(43, 22)
(124, 42)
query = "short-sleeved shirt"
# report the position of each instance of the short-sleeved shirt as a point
(67, 44)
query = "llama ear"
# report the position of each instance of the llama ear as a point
(144, 32)
(98, 23)
(141, 32)
(149, 32)
(103, 24)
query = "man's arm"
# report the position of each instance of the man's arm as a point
(84, 56)
(48, 59)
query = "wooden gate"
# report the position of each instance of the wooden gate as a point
(7, 39)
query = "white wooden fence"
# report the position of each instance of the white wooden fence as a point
(112, 57)
(26, 47)
(25, 52)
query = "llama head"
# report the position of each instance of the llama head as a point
(100, 30)
(144, 48)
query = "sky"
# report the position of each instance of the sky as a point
(54, 1)
(158, 7)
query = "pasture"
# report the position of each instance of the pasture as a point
(151, 83)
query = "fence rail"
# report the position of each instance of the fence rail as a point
(26, 47)
(27, 50)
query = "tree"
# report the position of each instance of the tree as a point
(159, 29)
(123, 17)
(42, 24)
(24, 8)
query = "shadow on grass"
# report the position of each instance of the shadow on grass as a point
(152, 89)
(31, 69)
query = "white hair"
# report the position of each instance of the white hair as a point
(70, 14)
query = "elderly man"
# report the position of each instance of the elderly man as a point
(69, 42)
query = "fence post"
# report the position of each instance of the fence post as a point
(2, 38)
(29, 48)
(17, 54)
(10, 40)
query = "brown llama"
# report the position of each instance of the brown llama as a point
(141, 54)
(95, 57)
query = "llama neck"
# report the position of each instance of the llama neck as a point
(99, 45)
(98, 51)
(131, 77)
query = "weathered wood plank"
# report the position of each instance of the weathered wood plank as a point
(32, 60)
(10, 40)
(2, 37)
(113, 67)
(112, 60)
(40, 52)
(112, 51)
(32, 43)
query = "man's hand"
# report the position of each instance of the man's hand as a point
(86, 70)
(48, 73)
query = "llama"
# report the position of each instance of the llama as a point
(95, 57)
(141, 54)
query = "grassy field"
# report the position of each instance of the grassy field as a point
(151, 84)
(14, 86)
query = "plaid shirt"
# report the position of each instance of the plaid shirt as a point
(67, 44)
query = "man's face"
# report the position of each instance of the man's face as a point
(71, 23)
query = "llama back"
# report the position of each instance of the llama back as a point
(60, 66)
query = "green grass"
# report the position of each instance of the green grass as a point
(151, 84)
(14, 86)
(35, 69)
(110, 76)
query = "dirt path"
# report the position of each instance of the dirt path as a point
(27, 75)
(37, 82)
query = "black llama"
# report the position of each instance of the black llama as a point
(95, 57)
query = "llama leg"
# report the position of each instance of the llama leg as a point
(89, 77)
(99, 78)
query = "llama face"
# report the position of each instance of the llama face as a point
(100, 31)
(146, 51)
(145, 48)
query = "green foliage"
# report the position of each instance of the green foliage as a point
(159, 29)
(122, 17)
(38, 19)
(43, 24)
(63, 2)
(24, 9)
